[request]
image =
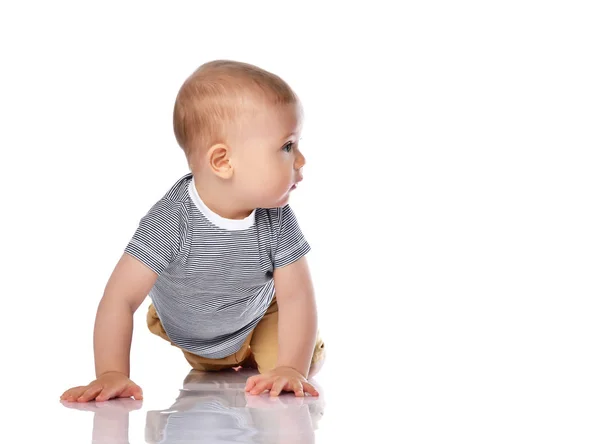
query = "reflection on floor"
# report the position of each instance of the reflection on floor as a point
(214, 408)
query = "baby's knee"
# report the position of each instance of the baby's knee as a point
(316, 367)
(265, 363)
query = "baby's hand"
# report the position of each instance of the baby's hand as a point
(109, 385)
(278, 380)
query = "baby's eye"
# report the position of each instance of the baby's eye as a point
(288, 147)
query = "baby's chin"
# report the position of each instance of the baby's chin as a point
(282, 202)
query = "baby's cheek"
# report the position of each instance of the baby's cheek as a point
(283, 183)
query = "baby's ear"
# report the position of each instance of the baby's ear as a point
(219, 160)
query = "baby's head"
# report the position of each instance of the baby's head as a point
(239, 127)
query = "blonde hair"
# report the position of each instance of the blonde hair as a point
(214, 96)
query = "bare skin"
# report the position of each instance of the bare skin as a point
(107, 386)
(126, 289)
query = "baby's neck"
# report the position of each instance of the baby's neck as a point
(217, 197)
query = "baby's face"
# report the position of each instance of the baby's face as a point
(266, 159)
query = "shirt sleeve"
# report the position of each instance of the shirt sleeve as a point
(159, 235)
(291, 244)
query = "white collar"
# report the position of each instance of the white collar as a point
(219, 221)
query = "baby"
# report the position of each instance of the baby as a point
(221, 254)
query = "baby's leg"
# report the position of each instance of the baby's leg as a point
(317, 365)
(249, 362)
(197, 362)
(204, 365)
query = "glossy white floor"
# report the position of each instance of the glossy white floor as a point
(182, 405)
(210, 407)
(440, 391)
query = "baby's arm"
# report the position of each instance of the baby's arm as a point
(129, 284)
(298, 317)
(297, 333)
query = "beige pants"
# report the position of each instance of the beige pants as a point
(258, 351)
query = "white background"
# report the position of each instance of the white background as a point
(451, 199)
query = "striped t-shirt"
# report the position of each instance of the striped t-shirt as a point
(215, 275)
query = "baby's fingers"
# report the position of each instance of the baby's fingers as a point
(261, 387)
(137, 393)
(108, 392)
(90, 393)
(308, 388)
(278, 386)
(297, 387)
(251, 382)
(73, 393)
(132, 390)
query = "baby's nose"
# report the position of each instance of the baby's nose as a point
(300, 161)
